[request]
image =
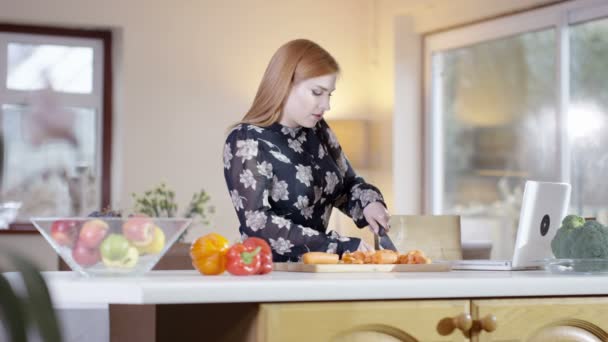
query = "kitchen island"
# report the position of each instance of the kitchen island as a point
(284, 306)
(189, 287)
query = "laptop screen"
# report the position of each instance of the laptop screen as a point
(544, 205)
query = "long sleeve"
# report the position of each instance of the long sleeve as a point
(260, 197)
(356, 193)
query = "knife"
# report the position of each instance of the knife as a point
(383, 241)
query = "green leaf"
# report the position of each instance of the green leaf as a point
(39, 304)
(12, 312)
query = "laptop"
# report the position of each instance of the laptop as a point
(544, 206)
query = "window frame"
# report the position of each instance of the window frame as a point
(101, 81)
(558, 17)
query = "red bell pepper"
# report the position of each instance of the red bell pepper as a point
(243, 260)
(265, 253)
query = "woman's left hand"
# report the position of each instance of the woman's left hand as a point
(377, 216)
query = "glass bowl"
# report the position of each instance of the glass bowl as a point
(8, 213)
(103, 246)
(577, 266)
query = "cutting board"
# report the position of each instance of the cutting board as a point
(345, 268)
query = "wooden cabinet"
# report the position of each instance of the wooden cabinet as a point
(387, 321)
(581, 319)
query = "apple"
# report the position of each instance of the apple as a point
(117, 252)
(156, 245)
(128, 261)
(64, 232)
(114, 247)
(131, 259)
(139, 230)
(85, 256)
(92, 233)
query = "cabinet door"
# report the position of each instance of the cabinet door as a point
(542, 319)
(387, 321)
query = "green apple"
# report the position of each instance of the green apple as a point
(117, 252)
(131, 259)
(114, 247)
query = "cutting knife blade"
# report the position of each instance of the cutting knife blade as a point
(383, 241)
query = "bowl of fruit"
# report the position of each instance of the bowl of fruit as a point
(111, 245)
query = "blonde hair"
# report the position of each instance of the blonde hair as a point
(295, 61)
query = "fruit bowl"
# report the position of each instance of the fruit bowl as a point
(8, 213)
(111, 246)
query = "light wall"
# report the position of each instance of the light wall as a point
(189, 69)
(186, 70)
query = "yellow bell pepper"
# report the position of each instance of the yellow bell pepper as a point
(208, 254)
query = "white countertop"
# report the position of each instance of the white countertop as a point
(172, 287)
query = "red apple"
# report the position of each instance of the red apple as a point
(85, 256)
(92, 233)
(64, 232)
(139, 230)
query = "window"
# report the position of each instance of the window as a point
(589, 115)
(55, 120)
(498, 98)
(516, 98)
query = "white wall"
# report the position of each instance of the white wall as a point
(186, 70)
(189, 69)
(439, 14)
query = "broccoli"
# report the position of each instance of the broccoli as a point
(590, 242)
(561, 243)
(573, 221)
(580, 240)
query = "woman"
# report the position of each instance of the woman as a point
(284, 167)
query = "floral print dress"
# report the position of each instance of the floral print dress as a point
(284, 183)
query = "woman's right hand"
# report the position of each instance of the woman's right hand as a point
(365, 247)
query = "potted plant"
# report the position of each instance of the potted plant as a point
(160, 202)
